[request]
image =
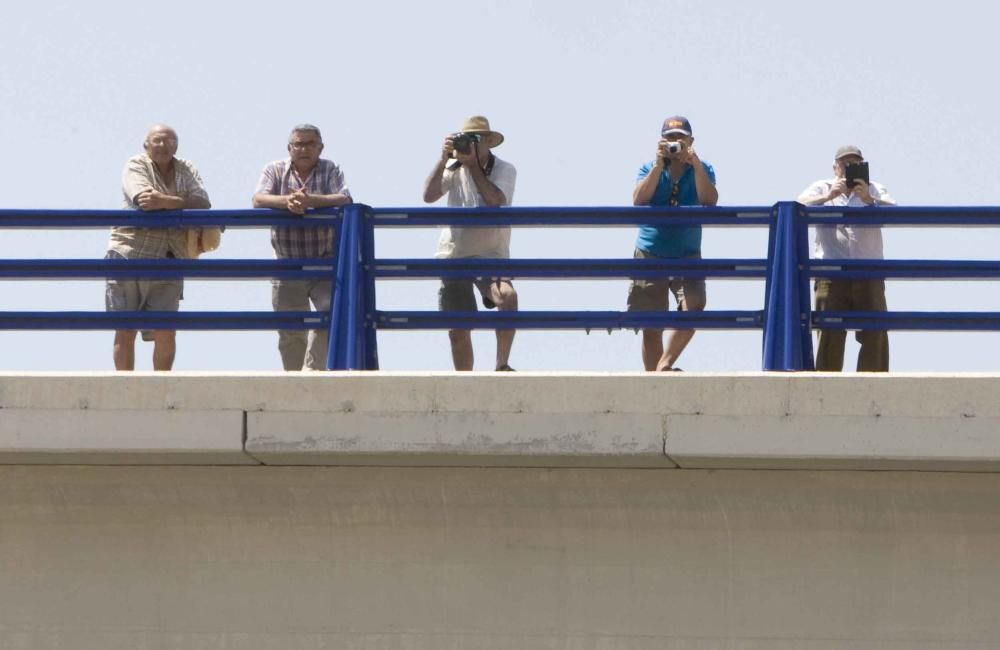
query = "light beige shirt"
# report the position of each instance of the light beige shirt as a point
(487, 241)
(140, 174)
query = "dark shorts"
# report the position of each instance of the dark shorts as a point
(651, 295)
(457, 295)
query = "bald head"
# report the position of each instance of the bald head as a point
(161, 144)
(161, 130)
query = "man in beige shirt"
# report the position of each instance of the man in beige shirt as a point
(154, 180)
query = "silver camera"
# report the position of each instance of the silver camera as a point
(675, 147)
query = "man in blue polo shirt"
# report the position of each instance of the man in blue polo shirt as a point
(676, 177)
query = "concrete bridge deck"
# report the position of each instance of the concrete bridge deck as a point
(572, 512)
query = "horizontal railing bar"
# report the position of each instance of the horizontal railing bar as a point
(904, 269)
(904, 217)
(153, 320)
(906, 320)
(569, 268)
(246, 218)
(567, 320)
(165, 268)
(612, 216)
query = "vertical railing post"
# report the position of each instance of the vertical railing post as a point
(370, 340)
(353, 215)
(804, 281)
(343, 348)
(340, 244)
(786, 319)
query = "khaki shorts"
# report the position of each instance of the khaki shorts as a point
(651, 295)
(457, 295)
(141, 295)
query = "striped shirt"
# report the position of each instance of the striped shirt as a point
(141, 174)
(298, 242)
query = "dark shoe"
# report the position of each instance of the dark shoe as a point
(671, 370)
(505, 368)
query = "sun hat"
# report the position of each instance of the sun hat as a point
(480, 125)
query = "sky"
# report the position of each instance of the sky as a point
(578, 88)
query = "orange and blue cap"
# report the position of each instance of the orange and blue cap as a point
(676, 124)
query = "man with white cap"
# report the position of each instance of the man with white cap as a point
(472, 176)
(849, 242)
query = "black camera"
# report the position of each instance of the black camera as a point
(463, 142)
(856, 172)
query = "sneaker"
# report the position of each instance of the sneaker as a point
(505, 368)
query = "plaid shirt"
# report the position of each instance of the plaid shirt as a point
(141, 174)
(297, 242)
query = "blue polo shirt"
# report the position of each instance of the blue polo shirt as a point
(672, 241)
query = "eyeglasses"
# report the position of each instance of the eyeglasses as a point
(674, 192)
(310, 144)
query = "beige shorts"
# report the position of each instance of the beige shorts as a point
(651, 295)
(142, 295)
(457, 295)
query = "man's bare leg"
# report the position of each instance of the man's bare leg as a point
(676, 343)
(461, 349)
(164, 349)
(652, 348)
(124, 350)
(505, 298)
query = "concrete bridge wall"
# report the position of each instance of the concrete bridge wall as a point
(576, 512)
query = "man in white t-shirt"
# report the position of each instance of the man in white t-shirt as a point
(472, 176)
(849, 242)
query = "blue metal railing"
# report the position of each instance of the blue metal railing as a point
(785, 317)
(239, 269)
(370, 219)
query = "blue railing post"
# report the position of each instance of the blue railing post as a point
(804, 278)
(370, 342)
(336, 289)
(786, 318)
(342, 353)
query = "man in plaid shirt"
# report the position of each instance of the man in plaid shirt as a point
(302, 181)
(155, 180)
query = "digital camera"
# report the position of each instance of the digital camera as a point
(463, 142)
(675, 147)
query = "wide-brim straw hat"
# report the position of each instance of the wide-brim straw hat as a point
(481, 125)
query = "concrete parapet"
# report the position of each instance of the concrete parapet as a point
(748, 420)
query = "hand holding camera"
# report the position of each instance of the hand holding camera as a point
(465, 146)
(448, 147)
(666, 150)
(857, 179)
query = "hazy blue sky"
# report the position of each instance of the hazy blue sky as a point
(578, 88)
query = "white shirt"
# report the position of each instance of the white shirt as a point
(487, 241)
(847, 241)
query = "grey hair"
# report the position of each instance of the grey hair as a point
(304, 128)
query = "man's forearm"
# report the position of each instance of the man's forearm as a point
(196, 203)
(273, 201)
(328, 200)
(707, 193)
(432, 188)
(492, 194)
(812, 199)
(646, 188)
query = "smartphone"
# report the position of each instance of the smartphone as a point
(856, 172)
